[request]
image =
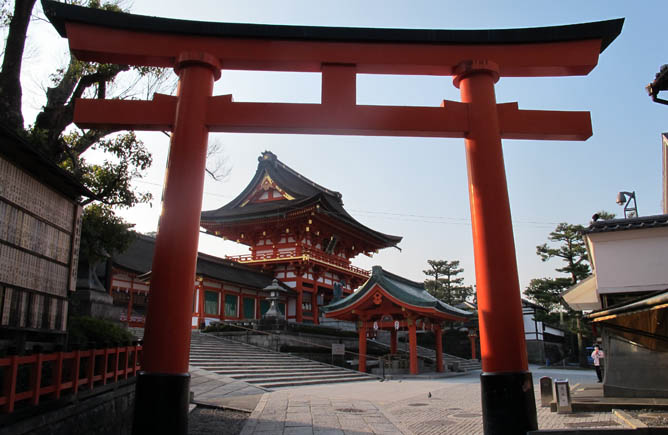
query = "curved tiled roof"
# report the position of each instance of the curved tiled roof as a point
(409, 292)
(635, 223)
(304, 191)
(139, 258)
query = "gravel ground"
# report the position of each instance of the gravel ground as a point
(651, 418)
(211, 421)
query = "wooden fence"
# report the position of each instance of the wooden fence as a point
(26, 379)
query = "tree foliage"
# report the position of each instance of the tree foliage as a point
(566, 244)
(571, 250)
(446, 283)
(103, 233)
(125, 156)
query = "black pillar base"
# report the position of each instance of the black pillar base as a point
(508, 403)
(161, 404)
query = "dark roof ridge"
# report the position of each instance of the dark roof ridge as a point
(22, 151)
(380, 272)
(633, 223)
(268, 156)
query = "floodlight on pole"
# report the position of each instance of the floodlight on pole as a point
(625, 198)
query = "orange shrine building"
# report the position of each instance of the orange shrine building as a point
(390, 302)
(222, 289)
(298, 231)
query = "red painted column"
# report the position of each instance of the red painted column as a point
(507, 389)
(361, 330)
(439, 348)
(163, 389)
(300, 299)
(393, 341)
(473, 353)
(314, 304)
(499, 303)
(412, 339)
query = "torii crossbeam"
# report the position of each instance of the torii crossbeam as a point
(199, 50)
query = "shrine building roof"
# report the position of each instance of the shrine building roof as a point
(410, 294)
(623, 224)
(139, 258)
(297, 192)
(20, 152)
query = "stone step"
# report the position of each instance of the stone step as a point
(264, 368)
(224, 362)
(242, 357)
(239, 374)
(315, 377)
(244, 360)
(256, 369)
(302, 382)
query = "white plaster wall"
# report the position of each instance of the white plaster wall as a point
(633, 260)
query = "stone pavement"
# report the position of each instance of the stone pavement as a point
(392, 407)
(211, 389)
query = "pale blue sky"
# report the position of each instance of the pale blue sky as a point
(417, 188)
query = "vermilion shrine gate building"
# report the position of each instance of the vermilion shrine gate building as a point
(300, 232)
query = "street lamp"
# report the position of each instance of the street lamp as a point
(625, 198)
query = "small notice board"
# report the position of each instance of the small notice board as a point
(338, 349)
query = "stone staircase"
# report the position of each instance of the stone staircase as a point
(262, 367)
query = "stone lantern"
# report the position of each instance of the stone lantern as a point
(273, 318)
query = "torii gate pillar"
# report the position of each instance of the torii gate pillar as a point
(163, 387)
(506, 384)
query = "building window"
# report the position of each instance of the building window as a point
(211, 303)
(231, 305)
(249, 308)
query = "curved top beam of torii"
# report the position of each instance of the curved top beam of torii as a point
(339, 54)
(144, 40)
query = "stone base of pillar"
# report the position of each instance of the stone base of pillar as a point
(508, 403)
(161, 403)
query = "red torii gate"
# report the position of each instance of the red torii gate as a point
(199, 50)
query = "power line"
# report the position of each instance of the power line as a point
(404, 217)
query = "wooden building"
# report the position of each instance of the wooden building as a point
(298, 231)
(390, 302)
(222, 289)
(628, 292)
(40, 228)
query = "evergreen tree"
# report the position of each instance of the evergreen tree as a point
(446, 285)
(567, 244)
(571, 250)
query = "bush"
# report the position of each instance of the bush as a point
(86, 331)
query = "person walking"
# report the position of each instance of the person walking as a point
(597, 355)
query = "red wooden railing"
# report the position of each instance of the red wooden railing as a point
(311, 253)
(69, 372)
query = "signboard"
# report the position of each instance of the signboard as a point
(338, 349)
